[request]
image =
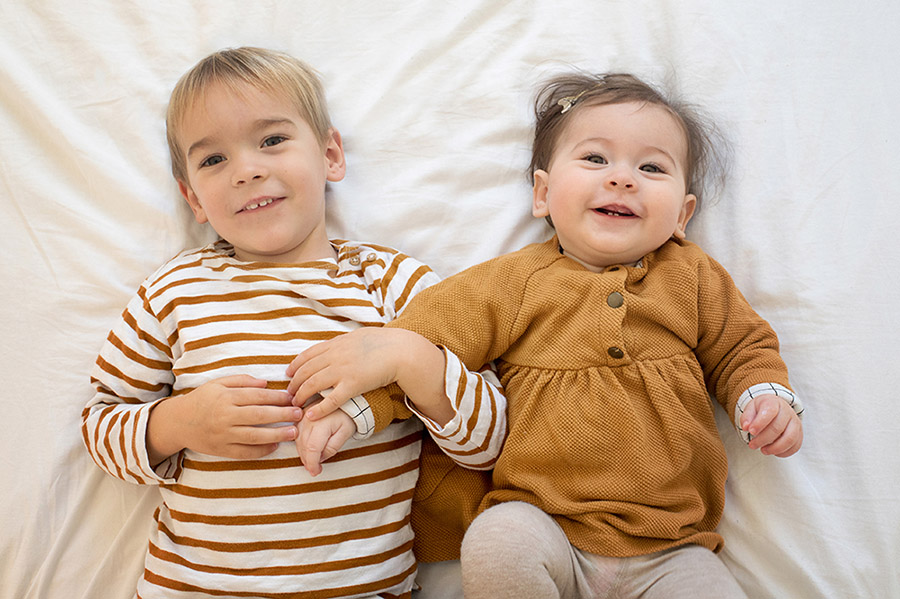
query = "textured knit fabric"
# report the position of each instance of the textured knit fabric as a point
(608, 378)
(266, 528)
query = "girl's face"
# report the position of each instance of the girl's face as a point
(615, 187)
(256, 172)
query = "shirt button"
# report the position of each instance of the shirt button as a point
(615, 299)
(371, 257)
(615, 352)
(354, 260)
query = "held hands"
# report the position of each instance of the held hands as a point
(774, 427)
(320, 439)
(226, 417)
(353, 363)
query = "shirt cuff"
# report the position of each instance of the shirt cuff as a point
(359, 410)
(764, 389)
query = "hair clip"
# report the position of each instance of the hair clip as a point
(569, 101)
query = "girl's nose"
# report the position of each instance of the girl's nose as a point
(620, 179)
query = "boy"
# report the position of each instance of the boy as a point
(191, 385)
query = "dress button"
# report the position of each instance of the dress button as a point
(354, 260)
(615, 352)
(615, 299)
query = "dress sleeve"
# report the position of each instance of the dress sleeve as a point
(466, 316)
(736, 347)
(132, 373)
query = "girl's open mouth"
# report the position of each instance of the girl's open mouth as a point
(614, 211)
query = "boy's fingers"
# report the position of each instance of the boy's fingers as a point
(240, 380)
(256, 436)
(262, 397)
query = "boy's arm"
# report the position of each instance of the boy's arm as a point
(135, 431)
(460, 317)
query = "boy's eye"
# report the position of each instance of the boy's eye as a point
(595, 158)
(212, 161)
(273, 141)
(652, 168)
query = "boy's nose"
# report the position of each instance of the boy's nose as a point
(247, 168)
(241, 179)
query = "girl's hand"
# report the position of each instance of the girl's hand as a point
(369, 358)
(320, 439)
(774, 427)
(349, 364)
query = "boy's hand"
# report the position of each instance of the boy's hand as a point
(774, 427)
(230, 417)
(321, 439)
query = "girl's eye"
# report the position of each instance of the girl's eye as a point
(273, 141)
(212, 161)
(595, 158)
(652, 168)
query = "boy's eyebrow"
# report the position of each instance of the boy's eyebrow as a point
(258, 125)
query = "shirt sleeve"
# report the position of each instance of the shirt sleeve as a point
(131, 374)
(474, 436)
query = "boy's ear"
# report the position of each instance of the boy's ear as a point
(335, 166)
(540, 207)
(191, 198)
(687, 211)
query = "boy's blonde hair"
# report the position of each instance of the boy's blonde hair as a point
(267, 70)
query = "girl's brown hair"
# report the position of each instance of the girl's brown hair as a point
(564, 95)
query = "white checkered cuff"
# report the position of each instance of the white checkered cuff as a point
(360, 411)
(764, 389)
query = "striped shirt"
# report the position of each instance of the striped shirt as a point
(265, 527)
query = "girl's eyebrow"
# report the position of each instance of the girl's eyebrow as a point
(258, 125)
(590, 140)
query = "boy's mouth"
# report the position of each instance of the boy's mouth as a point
(261, 203)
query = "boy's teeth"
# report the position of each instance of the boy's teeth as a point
(263, 203)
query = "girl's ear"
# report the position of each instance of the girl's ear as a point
(540, 206)
(687, 211)
(191, 198)
(335, 166)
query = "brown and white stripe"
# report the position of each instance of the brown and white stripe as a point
(265, 528)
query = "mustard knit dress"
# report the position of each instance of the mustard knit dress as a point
(608, 378)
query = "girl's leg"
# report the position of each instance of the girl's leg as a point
(691, 572)
(515, 550)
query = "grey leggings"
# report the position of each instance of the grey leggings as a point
(516, 550)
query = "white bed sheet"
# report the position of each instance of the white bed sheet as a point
(433, 100)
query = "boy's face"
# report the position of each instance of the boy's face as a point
(257, 174)
(615, 187)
